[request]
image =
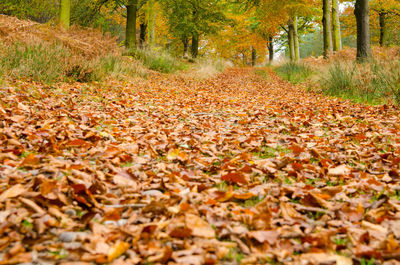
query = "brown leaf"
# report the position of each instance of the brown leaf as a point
(30, 160)
(265, 236)
(199, 227)
(12, 192)
(235, 177)
(181, 232)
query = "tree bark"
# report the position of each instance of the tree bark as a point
(291, 41)
(65, 13)
(361, 12)
(130, 34)
(296, 41)
(326, 23)
(253, 56)
(382, 29)
(142, 39)
(151, 15)
(270, 49)
(337, 36)
(195, 45)
(185, 42)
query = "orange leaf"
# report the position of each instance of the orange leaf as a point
(117, 250)
(181, 232)
(297, 149)
(235, 177)
(78, 143)
(30, 160)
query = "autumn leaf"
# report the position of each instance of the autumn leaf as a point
(235, 177)
(30, 160)
(12, 192)
(117, 250)
(199, 227)
(78, 143)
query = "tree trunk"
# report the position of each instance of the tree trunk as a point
(185, 42)
(361, 12)
(382, 28)
(291, 41)
(142, 39)
(65, 13)
(270, 49)
(195, 45)
(326, 23)
(151, 16)
(253, 56)
(130, 34)
(336, 34)
(296, 41)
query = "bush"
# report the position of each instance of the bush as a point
(159, 61)
(293, 72)
(374, 83)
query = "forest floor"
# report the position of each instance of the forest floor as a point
(243, 168)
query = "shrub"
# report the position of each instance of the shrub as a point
(374, 83)
(294, 72)
(159, 61)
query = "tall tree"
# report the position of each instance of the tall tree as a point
(192, 19)
(290, 33)
(131, 16)
(65, 13)
(142, 29)
(296, 40)
(336, 34)
(151, 16)
(253, 56)
(326, 24)
(361, 11)
(270, 49)
(386, 11)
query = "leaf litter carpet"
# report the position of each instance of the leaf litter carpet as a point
(233, 170)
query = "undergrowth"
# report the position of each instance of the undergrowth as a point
(373, 83)
(159, 61)
(38, 62)
(294, 72)
(54, 62)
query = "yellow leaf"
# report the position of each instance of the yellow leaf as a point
(173, 154)
(117, 250)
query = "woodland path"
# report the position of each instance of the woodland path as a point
(235, 169)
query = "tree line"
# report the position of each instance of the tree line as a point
(244, 30)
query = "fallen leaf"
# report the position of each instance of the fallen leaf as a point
(12, 192)
(117, 250)
(199, 227)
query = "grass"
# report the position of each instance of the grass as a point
(159, 61)
(38, 62)
(293, 72)
(50, 63)
(373, 83)
(117, 67)
(262, 73)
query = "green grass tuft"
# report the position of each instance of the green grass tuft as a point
(159, 61)
(293, 72)
(372, 83)
(37, 62)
